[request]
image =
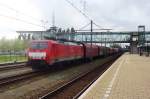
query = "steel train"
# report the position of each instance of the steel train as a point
(45, 53)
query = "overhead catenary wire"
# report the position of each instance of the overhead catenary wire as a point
(17, 11)
(84, 14)
(14, 18)
(84, 26)
(98, 25)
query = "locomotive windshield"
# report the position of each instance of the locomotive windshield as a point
(39, 45)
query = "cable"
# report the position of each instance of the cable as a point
(85, 15)
(17, 11)
(98, 25)
(13, 18)
(84, 26)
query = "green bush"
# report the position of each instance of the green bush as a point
(12, 49)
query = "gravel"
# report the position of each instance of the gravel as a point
(37, 88)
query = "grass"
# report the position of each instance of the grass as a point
(12, 58)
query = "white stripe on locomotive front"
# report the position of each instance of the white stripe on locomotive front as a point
(37, 54)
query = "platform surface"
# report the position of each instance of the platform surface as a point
(127, 78)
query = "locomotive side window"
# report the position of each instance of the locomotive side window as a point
(39, 45)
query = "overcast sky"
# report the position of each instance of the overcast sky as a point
(116, 14)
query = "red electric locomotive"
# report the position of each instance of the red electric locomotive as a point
(48, 52)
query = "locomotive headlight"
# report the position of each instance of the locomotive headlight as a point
(44, 54)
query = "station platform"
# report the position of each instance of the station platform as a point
(127, 78)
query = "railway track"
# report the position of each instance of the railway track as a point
(75, 87)
(11, 63)
(9, 66)
(12, 79)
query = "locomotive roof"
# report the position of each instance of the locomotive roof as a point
(44, 41)
(56, 42)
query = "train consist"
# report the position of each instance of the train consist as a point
(45, 53)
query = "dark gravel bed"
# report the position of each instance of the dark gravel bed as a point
(71, 90)
(13, 71)
(5, 74)
(38, 87)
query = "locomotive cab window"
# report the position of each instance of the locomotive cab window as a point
(39, 45)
